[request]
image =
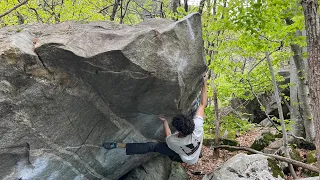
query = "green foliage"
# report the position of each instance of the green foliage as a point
(311, 157)
(230, 124)
(237, 37)
(287, 123)
(53, 11)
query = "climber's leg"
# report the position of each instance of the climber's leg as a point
(142, 148)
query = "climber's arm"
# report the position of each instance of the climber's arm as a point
(203, 98)
(167, 131)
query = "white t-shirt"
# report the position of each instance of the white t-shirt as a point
(188, 147)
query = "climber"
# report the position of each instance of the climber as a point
(182, 146)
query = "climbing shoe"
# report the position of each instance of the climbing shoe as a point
(109, 145)
(198, 173)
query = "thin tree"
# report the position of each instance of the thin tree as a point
(114, 9)
(201, 6)
(217, 115)
(186, 5)
(175, 5)
(283, 126)
(123, 10)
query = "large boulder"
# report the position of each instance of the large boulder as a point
(247, 167)
(159, 168)
(66, 88)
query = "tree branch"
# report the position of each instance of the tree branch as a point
(142, 7)
(273, 124)
(114, 10)
(14, 8)
(254, 66)
(36, 12)
(125, 11)
(280, 158)
(105, 8)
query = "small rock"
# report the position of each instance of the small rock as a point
(266, 123)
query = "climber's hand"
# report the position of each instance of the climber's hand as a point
(205, 77)
(162, 118)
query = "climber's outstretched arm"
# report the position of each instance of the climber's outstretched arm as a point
(167, 131)
(203, 98)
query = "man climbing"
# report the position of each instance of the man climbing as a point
(182, 146)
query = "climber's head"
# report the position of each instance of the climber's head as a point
(183, 124)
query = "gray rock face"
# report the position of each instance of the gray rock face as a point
(160, 168)
(156, 169)
(244, 167)
(66, 88)
(178, 172)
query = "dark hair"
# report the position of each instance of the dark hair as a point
(183, 124)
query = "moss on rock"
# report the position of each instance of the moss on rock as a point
(294, 154)
(275, 168)
(311, 157)
(263, 141)
(308, 173)
(229, 142)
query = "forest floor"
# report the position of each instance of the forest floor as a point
(207, 164)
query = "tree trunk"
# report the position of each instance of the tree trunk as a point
(123, 14)
(186, 5)
(312, 24)
(295, 111)
(283, 126)
(175, 5)
(114, 10)
(300, 112)
(217, 116)
(20, 18)
(161, 10)
(201, 5)
(300, 99)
